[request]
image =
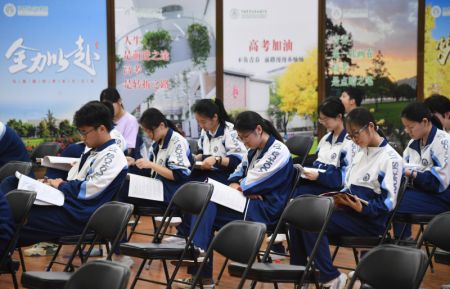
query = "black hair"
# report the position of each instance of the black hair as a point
(332, 107)
(417, 111)
(249, 120)
(355, 93)
(110, 108)
(437, 103)
(209, 107)
(110, 94)
(361, 117)
(152, 118)
(93, 113)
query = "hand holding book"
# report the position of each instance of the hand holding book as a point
(347, 199)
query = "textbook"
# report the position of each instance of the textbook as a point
(46, 195)
(306, 169)
(60, 163)
(227, 196)
(145, 188)
(331, 194)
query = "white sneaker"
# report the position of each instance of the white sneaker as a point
(174, 221)
(280, 238)
(350, 274)
(174, 240)
(337, 283)
(127, 261)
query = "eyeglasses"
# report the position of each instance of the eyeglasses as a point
(356, 134)
(243, 137)
(85, 133)
(322, 120)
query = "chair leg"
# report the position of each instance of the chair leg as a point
(22, 260)
(275, 285)
(253, 284)
(334, 253)
(166, 271)
(133, 228)
(52, 261)
(138, 273)
(355, 254)
(221, 271)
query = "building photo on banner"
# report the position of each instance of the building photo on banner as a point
(371, 46)
(166, 57)
(270, 61)
(48, 70)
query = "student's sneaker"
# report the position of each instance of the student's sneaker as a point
(127, 261)
(173, 222)
(174, 240)
(206, 282)
(187, 262)
(279, 238)
(337, 283)
(41, 249)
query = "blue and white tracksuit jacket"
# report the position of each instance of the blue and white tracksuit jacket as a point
(431, 188)
(92, 182)
(173, 153)
(267, 172)
(374, 175)
(333, 157)
(225, 143)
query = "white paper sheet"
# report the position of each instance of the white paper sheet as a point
(145, 188)
(45, 193)
(61, 163)
(227, 196)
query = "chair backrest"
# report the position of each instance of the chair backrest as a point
(391, 266)
(20, 202)
(11, 167)
(437, 232)
(300, 145)
(308, 212)
(99, 274)
(45, 149)
(108, 222)
(239, 241)
(191, 198)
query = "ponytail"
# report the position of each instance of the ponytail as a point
(249, 120)
(209, 107)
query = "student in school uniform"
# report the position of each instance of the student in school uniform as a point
(75, 150)
(169, 158)
(220, 150)
(126, 123)
(264, 176)
(99, 174)
(439, 106)
(426, 162)
(11, 146)
(375, 176)
(334, 153)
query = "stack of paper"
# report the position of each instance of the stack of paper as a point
(46, 195)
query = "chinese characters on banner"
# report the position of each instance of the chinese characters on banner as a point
(268, 51)
(340, 68)
(133, 57)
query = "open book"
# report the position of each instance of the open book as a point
(227, 196)
(145, 188)
(46, 195)
(331, 194)
(306, 169)
(60, 163)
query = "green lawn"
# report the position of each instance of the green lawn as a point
(390, 112)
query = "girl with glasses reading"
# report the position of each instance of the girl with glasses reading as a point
(374, 176)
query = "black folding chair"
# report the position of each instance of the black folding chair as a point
(10, 168)
(99, 274)
(239, 241)
(307, 213)
(191, 198)
(391, 266)
(367, 242)
(193, 144)
(108, 222)
(436, 234)
(20, 202)
(270, 229)
(300, 145)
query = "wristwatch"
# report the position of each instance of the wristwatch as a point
(218, 160)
